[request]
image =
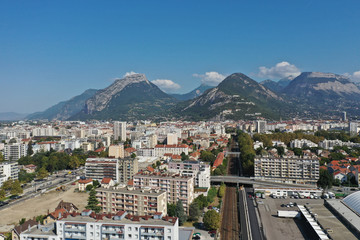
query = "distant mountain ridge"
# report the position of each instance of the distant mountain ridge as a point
(236, 97)
(277, 86)
(238, 94)
(64, 110)
(12, 116)
(192, 94)
(131, 98)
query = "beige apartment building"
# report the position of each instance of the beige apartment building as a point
(137, 202)
(177, 187)
(127, 168)
(287, 170)
(116, 151)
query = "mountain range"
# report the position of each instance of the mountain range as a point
(236, 97)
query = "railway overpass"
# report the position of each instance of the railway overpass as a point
(251, 181)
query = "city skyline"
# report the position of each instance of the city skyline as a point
(51, 52)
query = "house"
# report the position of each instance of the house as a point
(16, 231)
(29, 168)
(68, 206)
(83, 183)
(107, 183)
(55, 215)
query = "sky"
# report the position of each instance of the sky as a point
(51, 51)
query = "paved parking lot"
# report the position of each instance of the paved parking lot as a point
(281, 228)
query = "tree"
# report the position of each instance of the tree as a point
(325, 180)
(96, 183)
(16, 188)
(89, 187)
(30, 149)
(212, 220)
(22, 221)
(74, 162)
(2, 193)
(180, 214)
(42, 173)
(7, 185)
(1, 157)
(171, 209)
(194, 211)
(211, 194)
(158, 164)
(221, 191)
(133, 155)
(201, 201)
(93, 202)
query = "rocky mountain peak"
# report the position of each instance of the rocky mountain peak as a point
(99, 101)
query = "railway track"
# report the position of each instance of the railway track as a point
(230, 221)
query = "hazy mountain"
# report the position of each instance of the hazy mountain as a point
(12, 116)
(316, 92)
(65, 109)
(130, 98)
(238, 93)
(193, 94)
(277, 86)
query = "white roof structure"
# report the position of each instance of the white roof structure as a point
(353, 201)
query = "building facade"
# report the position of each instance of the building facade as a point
(99, 168)
(14, 151)
(116, 151)
(120, 131)
(134, 201)
(161, 150)
(177, 187)
(127, 168)
(287, 170)
(8, 170)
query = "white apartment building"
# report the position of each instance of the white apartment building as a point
(120, 131)
(160, 150)
(88, 225)
(8, 170)
(300, 143)
(44, 131)
(287, 170)
(198, 170)
(14, 151)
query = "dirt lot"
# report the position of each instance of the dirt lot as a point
(38, 206)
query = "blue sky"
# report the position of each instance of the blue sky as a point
(53, 50)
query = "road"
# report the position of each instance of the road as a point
(36, 188)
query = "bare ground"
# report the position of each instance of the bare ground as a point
(39, 206)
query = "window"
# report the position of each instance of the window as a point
(136, 228)
(129, 235)
(129, 228)
(91, 226)
(169, 230)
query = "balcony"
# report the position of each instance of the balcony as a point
(75, 235)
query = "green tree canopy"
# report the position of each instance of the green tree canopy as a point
(194, 211)
(201, 201)
(180, 213)
(212, 220)
(171, 209)
(30, 149)
(16, 188)
(93, 202)
(42, 173)
(325, 180)
(221, 191)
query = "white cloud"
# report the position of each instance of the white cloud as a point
(129, 73)
(166, 85)
(355, 76)
(210, 78)
(280, 70)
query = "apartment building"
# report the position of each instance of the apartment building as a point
(120, 131)
(14, 151)
(133, 201)
(8, 170)
(99, 168)
(200, 171)
(88, 225)
(177, 149)
(287, 170)
(127, 168)
(116, 151)
(177, 187)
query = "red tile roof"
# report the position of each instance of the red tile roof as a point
(106, 180)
